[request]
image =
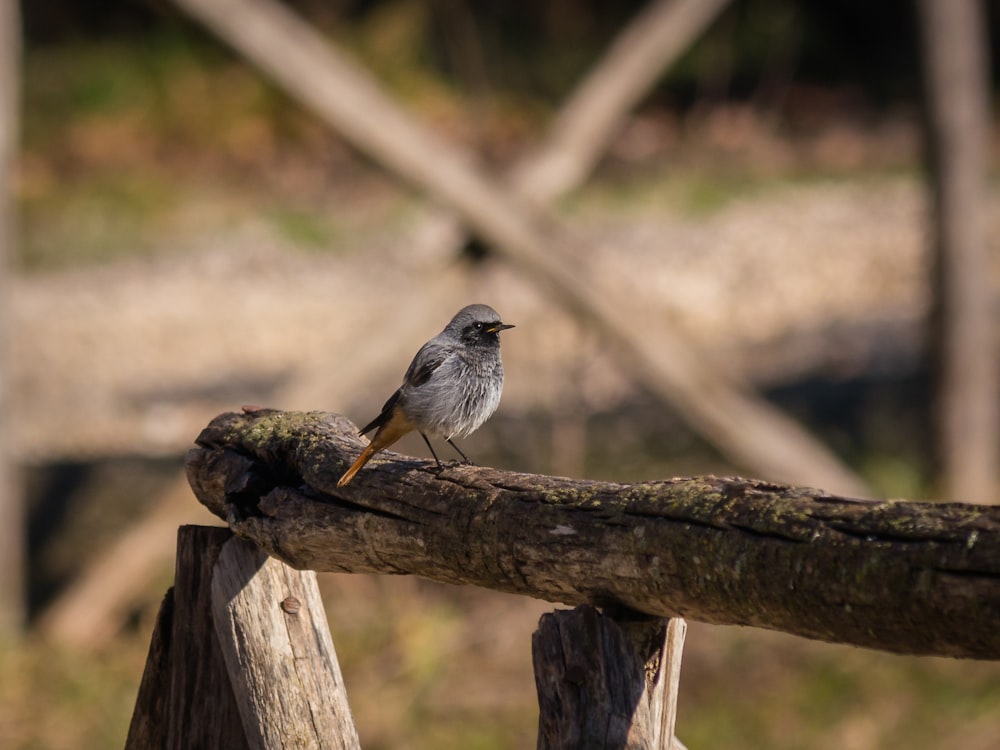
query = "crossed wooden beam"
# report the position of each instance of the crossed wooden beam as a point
(511, 214)
(716, 403)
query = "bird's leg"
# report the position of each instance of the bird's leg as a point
(464, 457)
(431, 447)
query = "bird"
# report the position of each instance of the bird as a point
(451, 387)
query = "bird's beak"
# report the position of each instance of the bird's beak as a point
(498, 327)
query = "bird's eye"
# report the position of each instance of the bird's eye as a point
(478, 326)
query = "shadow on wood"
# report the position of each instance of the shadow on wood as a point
(607, 681)
(241, 656)
(185, 699)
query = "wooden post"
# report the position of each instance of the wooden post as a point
(277, 646)
(185, 699)
(241, 656)
(605, 682)
(146, 729)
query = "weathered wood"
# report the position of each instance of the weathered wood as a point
(201, 707)
(604, 684)
(185, 699)
(279, 653)
(715, 401)
(898, 576)
(673, 649)
(149, 718)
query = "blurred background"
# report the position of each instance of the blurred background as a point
(772, 205)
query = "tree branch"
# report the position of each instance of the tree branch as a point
(898, 576)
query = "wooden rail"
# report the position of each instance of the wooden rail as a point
(917, 578)
(242, 656)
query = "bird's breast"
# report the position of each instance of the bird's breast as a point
(461, 394)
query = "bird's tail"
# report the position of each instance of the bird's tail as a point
(365, 456)
(391, 430)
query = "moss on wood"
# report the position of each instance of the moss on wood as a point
(894, 575)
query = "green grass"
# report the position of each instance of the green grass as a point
(99, 220)
(790, 694)
(303, 228)
(739, 688)
(54, 699)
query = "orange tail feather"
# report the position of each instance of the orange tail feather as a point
(391, 431)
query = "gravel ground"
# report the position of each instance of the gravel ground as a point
(134, 358)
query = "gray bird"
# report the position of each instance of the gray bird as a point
(451, 387)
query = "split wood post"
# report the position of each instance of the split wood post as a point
(607, 680)
(241, 656)
(185, 699)
(277, 647)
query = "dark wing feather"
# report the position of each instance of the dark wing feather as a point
(383, 416)
(428, 359)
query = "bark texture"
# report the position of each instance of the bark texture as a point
(606, 683)
(278, 650)
(185, 699)
(906, 577)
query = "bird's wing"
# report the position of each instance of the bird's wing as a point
(383, 416)
(427, 360)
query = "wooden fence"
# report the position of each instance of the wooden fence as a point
(241, 655)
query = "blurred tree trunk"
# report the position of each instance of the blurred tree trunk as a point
(955, 64)
(11, 502)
